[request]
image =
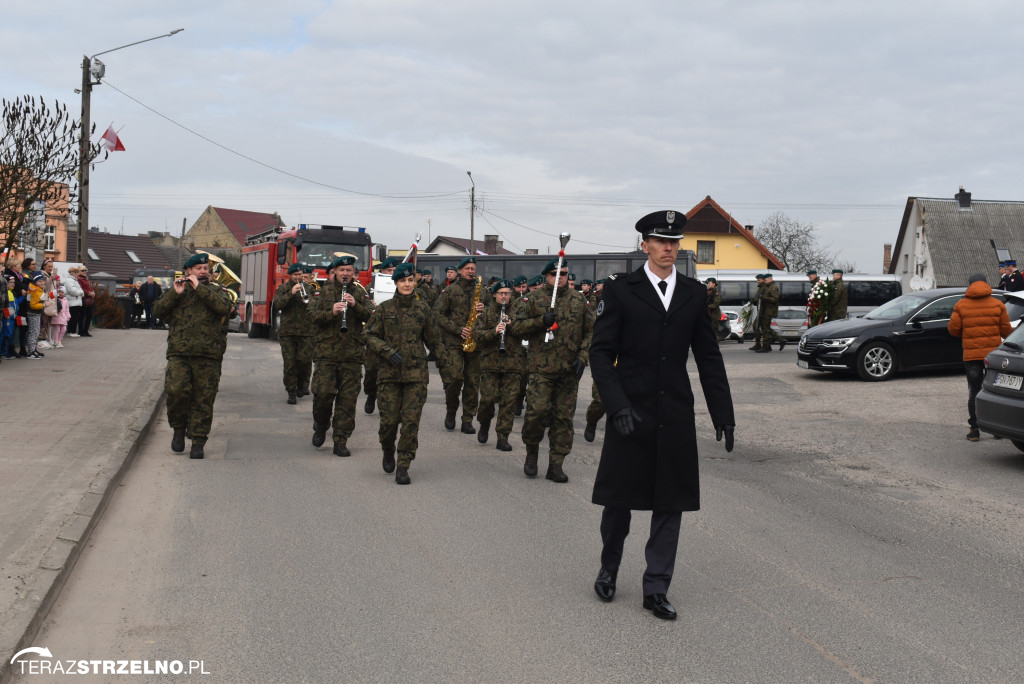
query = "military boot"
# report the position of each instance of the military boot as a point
(503, 444)
(467, 427)
(519, 407)
(756, 347)
(530, 466)
(196, 451)
(178, 440)
(291, 398)
(449, 420)
(319, 434)
(590, 432)
(555, 473)
(341, 450)
(371, 399)
(482, 435)
(402, 476)
(388, 462)
(765, 349)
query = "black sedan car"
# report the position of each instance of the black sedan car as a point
(1001, 400)
(907, 333)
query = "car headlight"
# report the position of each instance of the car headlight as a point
(838, 342)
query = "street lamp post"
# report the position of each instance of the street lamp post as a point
(89, 70)
(472, 212)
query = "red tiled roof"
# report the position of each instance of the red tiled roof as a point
(708, 202)
(242, 224)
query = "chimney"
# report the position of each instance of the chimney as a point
(531, 251)
(886, 257)
(963, 198)
(491, 244)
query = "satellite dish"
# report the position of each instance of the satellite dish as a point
(917, 283)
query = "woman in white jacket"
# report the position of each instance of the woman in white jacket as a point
(73, 293)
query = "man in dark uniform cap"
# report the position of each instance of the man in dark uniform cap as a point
(768, 309)
(647, 323)
(1014, 279)
(196, 311)
(837, 302)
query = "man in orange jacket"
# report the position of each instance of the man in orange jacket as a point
(982, 322)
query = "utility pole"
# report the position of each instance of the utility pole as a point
(472, 213)
(181, 241)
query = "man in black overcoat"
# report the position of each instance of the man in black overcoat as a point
(647, 323)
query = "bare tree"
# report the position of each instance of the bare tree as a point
(846, 265)
(796, 244)
(39, 155)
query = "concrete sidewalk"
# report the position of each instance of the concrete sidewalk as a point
(70, 425)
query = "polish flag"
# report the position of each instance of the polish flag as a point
(111, 141)
(481, 252)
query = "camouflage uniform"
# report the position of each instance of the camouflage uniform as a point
(339, 358)
(837, 304)
(551, 393)
(428, 293)
(715, 310)
(500, 374)
(462, 368)
(596, 409)
(768, 309)
(295, 335)
(402, 325)
(196, 340)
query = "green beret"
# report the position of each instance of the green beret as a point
(552, 265)
(768, 275)
(467, 260)
(572, 276)
(501, 284)
(711, 280)
(197, 259)
(586, 282)
(812, 272)
(519, 280)
(760, 276)
(449, 267)
(306, 268)
(341, 261)
(295, 268)
(426, 271)
(390, 262)
(537, 280)
(602, 281)
(837, 270)
(403, 270)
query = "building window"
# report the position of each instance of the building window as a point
(906, 263)
(705, 251)
(93, 255)
(51, 238)
(133, 256)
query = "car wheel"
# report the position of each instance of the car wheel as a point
(1018, 443)
(876, 361)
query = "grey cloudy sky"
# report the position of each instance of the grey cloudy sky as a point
(578, 116)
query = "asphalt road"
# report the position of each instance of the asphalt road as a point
(853, 535)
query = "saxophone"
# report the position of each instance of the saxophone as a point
(469, 344)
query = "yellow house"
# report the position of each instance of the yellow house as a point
(721, 242)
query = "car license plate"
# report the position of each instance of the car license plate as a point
(1009, 381)
(802, 364)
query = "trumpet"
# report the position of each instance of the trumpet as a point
(303, 295)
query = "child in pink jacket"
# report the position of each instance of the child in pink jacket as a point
(59, 323)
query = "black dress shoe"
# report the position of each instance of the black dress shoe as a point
(449, 420)
(291, 398)
(590, 432)
(482, 435)
(605, 585)
(468, 428)
(388, 462)
(319, 435)
(659, 605)
(178, 440)
(341, 450)
(503, 444)
(196, 451)
(371, 399)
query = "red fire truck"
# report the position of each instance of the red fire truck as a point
(267, 256)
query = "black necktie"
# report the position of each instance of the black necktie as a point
(664, 287)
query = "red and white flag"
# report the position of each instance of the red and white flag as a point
(111, 141)
(481, 252)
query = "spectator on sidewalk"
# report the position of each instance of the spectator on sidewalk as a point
(74, 296)
(18, 284)
(982, 321)
(136, 302)
(35, 312)
(88, 301)
(49, 303)
(59, 323)
(5, 324)
(150, 292)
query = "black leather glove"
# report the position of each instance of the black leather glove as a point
(578, 367)
(549, 319)
(395, 359)
(727, 430)
(626, 421)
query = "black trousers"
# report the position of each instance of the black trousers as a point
(660, 551)
(975, 371)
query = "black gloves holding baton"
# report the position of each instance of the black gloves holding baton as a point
(627, 420)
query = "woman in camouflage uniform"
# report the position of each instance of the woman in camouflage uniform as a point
(500, 372)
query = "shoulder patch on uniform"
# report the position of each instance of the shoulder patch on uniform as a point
(600, 307)
(613, 276)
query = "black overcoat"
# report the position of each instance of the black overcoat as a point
(655, 468)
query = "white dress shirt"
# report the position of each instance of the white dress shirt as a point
(666, 298)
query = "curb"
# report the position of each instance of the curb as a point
(55, 567)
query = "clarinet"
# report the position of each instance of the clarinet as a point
(501, 347)
(344, 312)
